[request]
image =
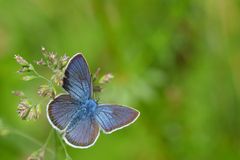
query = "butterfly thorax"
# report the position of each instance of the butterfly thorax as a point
(90, 106)
(85, 111)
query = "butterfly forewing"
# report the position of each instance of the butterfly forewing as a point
(61, 110)
(77, 80)
(114, 117)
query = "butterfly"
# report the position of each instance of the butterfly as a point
(77, 115)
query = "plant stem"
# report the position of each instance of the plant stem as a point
(68, 157)
(55, 146)
(48, 138)
(19, 133)
(33, 140)
(42, 77)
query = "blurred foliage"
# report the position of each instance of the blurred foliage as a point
(175, 61)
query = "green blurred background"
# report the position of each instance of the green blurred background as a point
(178, 62)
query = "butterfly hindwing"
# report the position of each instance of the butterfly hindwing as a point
(61, 110)
(77, 80)
(114, 117)
(84, 133)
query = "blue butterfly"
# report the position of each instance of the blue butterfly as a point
(77, 115)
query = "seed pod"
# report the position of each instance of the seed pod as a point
(106, 78)
(41, 62)
(46, 91)
(28, 78)
(58, 77)
(23, 109)
(21, 60)
(18, 93)
(37, 155)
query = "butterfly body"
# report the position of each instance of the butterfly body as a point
(78, 115)
(83, 112)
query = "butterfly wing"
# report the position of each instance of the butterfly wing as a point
(84, 133)
(114, 117)
(77, 80)
(61, 110)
